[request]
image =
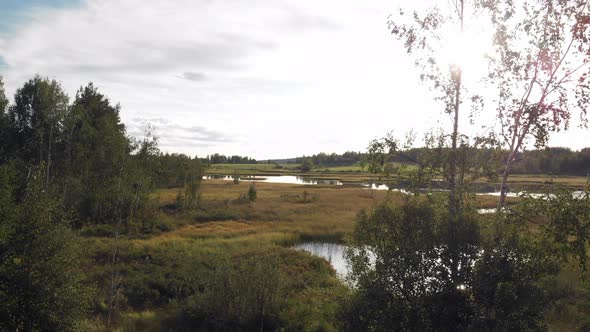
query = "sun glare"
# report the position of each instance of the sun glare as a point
(466, 50)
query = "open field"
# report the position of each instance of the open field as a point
(280, 206)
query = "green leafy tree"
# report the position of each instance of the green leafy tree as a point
(143, 166)
(40, 276)
(539, 70)
(306, 165)
(565, 220)
(192, 187)
(427, 264)
(174, 169)
(403, 278)
(422, 35)
(36, 122)
(97, 158)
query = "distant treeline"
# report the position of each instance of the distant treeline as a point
(554, 161)
(557, 160)
(222, 159)
(333, 159)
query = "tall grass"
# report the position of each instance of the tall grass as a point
(164, 273)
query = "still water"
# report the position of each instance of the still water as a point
(288, 179)
(332, 252)
(481, 188)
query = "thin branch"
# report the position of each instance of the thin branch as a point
(545, 91)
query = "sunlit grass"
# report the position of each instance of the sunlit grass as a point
(278, 219)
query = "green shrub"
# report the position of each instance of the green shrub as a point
(252, 195)
(242, 295)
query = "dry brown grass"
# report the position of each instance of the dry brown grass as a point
(279, 208)
(490, 201)
(578, 182)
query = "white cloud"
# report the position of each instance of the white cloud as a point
(267, 78)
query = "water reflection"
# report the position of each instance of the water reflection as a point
(487, 211)
(332, 252)
(479, 188)
(287, 179)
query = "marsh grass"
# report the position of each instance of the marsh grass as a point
(162, 272)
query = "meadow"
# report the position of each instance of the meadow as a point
(190, 249)
(168, 279)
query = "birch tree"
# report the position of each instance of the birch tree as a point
(539, 70)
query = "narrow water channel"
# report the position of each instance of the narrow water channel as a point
(481, 188)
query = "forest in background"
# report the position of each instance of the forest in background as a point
(550, 160)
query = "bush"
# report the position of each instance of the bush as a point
(252, 192)
(402, 265)
(306, 166)
(244, 295)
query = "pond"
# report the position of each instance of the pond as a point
(287, 179)
(332, 252)
(480, 188)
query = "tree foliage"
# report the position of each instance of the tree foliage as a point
(564, 218)
(306, 165)
(402, 269)
(40, 276)
(539, 70)
(36, 122)
(427, 265)
(70, 165)
(223, 159)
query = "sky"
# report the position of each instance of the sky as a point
(263, 78)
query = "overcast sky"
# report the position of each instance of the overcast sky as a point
(264, 78)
